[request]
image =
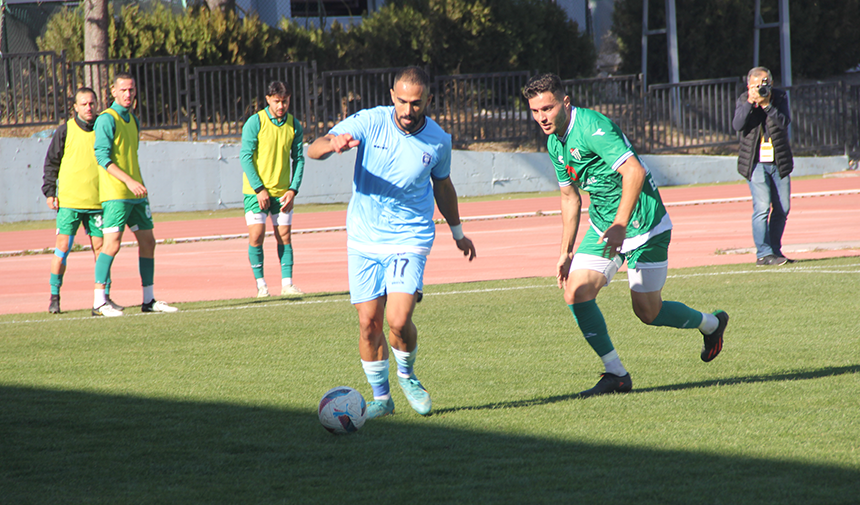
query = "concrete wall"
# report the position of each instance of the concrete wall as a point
(187, 176)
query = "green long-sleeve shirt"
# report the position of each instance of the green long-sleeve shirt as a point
(249, 144)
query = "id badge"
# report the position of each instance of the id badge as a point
(765, 153)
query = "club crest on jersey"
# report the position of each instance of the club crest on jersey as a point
(575, 153)
(426, 159)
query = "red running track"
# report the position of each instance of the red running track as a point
(822, 223)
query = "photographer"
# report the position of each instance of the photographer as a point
(765, 160)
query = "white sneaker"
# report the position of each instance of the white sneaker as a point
(263, 292)
(291, 290)
(107, 311)
(154, 306)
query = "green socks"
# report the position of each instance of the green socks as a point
(285, 255)
(103, 264)
(593, 326)
(56, 282)
(677, 315)
(255, 255)
(147, 271)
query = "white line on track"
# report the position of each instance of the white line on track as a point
(843, 269)
(489, 217)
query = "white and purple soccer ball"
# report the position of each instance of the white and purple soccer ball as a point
(342, 410)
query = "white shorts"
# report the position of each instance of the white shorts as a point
(645, 278)
(279, 219)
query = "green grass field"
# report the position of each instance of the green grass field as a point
(217, 404)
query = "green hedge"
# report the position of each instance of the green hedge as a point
(449, 37)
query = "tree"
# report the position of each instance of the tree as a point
(96, 22)
(222, 5)
(715, 38)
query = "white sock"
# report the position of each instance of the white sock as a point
(613, 364)
(148, 294)
(709, 324)
(286, 281)
(99, 298)
(261, 282)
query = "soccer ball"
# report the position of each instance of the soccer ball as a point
(342, 410)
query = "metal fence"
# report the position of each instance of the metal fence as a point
(223, 98)
(818, 117)
(618, 98)
(695, 114)
(162, 87)
(482, 107)
(214, 102)
(346, 92)
(32, 89)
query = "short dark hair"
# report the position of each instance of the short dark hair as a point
(412, 75)
(278, 88)
(541, 84)
(123, 75)
(82, 90)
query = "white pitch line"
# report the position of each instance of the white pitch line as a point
(784, 270)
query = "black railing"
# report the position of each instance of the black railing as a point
(162, 87)
(482, 107)
(223, 98)
(214, 102)
(32, 89)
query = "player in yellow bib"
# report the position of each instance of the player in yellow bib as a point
(71, 185)
(273, 161)
(123, 196)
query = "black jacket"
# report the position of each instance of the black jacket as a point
(55, 156)
(749, 120)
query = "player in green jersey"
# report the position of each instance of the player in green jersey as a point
(627, 222)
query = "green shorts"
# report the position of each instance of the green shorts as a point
(656, 250)
(119, 213)
(255, 215)
(68, 221)
(253, 206)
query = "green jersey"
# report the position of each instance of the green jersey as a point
(588, 156)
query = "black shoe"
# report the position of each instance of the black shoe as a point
(609, 383)
(54, 307)
(714, 342)
(771, 260)
(113, 303)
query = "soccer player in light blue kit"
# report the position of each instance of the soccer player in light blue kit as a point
(403, 163)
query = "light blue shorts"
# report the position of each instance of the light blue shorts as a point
(374, 275)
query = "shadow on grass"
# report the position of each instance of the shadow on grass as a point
(75, 447)
(812, 374)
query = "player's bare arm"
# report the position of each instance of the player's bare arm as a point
(329, 144)
(446, 199)
(135, 187)
(571, 208)
(632, 177)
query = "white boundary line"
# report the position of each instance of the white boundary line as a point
(489, 217)
(781, 270)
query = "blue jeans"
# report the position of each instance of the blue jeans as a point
(771, 197)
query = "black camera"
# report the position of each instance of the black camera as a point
(764, 88)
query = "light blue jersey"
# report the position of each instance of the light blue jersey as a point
(391, 209)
